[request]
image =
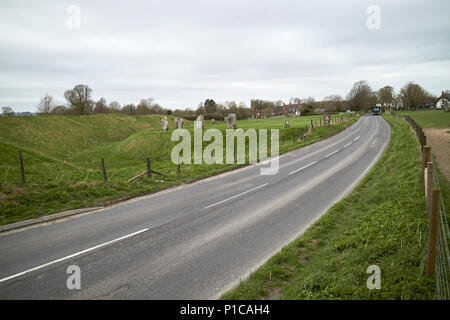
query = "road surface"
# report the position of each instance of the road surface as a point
(195, 241)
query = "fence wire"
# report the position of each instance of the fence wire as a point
(443, 253)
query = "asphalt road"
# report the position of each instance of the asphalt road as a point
(195, 241)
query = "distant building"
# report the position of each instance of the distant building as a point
(290, 110)
(26, 113)
(398, 103)
(286, 110)
(443, 102)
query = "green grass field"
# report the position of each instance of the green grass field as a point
(382, 222)
(62, 159)
(430, 118)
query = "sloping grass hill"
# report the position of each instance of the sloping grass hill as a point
(62, 158)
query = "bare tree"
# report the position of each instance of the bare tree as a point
(129, 109)
(413, 95)
(59, 110)
(156, 108)
(386, 96)
(144, 106)
(101, 106)
(79, 99)
(46, 104)
(8, 111)
(334, 102)
(361, 97)
(115, 106)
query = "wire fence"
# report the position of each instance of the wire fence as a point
(443, 253)
(441, 259)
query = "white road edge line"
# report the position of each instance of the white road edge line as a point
(348, 144)
(331, 153)
(303, 167)
(71, 256)
(240, 194)
(356, 138)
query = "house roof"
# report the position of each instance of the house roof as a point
(445, 95)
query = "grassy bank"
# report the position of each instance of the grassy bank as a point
(62, 156)
(382, 222)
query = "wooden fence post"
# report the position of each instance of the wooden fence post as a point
(149, 168)
(429, 186)
(22, 170)
(433, 232)
(104, 170)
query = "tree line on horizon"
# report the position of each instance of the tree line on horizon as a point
(360, 98)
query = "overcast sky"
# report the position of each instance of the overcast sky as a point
(182, 52)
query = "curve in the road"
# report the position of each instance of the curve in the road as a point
(194, 241)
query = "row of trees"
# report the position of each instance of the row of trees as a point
(79, 102)
(211, 108)
(360, 98)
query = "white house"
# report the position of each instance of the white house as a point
(398, 103)
(443, 101)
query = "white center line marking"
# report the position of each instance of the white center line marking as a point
(303, 167)
(240, 194)
(331, 153)
(356, 138)
(348, 144)
(71, 256)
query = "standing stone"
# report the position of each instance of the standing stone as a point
(164, 124)
(178, 123)
(213, 121)
(231, 121)
(199, 122)
(286, 124)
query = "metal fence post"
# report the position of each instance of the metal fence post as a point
(426, 157)
(149, 168)
(104, 170)
(22, 170)
(433, 232)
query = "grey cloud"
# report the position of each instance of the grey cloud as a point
(182, 52)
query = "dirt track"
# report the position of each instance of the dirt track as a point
(439, 141)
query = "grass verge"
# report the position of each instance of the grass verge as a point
(382, 222)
